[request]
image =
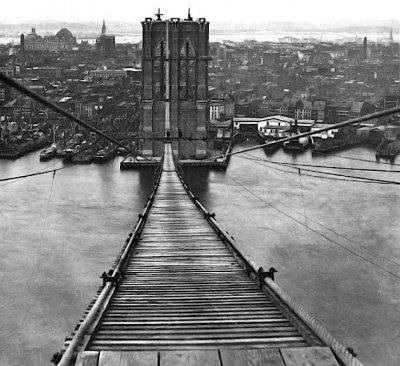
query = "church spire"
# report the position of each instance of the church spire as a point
(103, 28)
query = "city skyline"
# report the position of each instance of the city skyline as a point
(255, 11)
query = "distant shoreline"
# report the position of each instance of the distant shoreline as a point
(239, 36)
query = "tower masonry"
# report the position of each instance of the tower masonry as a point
(175, 85)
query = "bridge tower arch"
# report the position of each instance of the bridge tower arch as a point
(175, 86)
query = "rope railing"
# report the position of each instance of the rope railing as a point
(266, 279)
(101, 302)
(342, 352)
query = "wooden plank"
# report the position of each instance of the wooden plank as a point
(174, 358)
(271, 357)
(128, 358)
(199, 342)
(184, 290)
(309, 356)
(174, 347)
(87, 358)
(174, 335)
(251, 357)
(206, 357)
(240, 357)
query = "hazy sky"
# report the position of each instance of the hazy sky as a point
(245, 11)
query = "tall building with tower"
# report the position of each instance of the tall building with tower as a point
(105, 44)
(175, 85)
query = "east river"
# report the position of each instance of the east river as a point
(335, 244)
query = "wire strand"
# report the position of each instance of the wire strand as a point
(374, 180)
(47, 204)
(315, 231)
(37, 173)
(339, 167)
(310, 175)
(352, 158)
(331, 230)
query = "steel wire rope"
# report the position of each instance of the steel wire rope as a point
(334, 167)
(34, 174)
(374, 180)
(326, 227)
(47, 204)
(352, 158)
(355, 180)
(302, 197)
(313, 230)
(6, 184)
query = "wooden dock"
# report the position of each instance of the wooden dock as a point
(188, 297)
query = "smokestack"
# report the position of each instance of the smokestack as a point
(365, 47)
(23, 52)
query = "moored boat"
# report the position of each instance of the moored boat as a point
(48, 154)
(390, 144)
(83, 157)
(104, 155)
(68, 155)
(298, 144)
(272, 147)
(388, 149)
(334, 139)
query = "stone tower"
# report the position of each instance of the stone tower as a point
(175, 85)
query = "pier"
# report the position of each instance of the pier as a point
(180, 293)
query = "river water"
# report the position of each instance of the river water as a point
(334, 243)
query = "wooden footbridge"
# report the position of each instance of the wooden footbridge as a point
(180, 294)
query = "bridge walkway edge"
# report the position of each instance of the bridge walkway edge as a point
(199, 262)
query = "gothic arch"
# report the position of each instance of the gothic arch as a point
(187, 50)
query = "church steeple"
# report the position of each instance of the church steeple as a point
(103, 28)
